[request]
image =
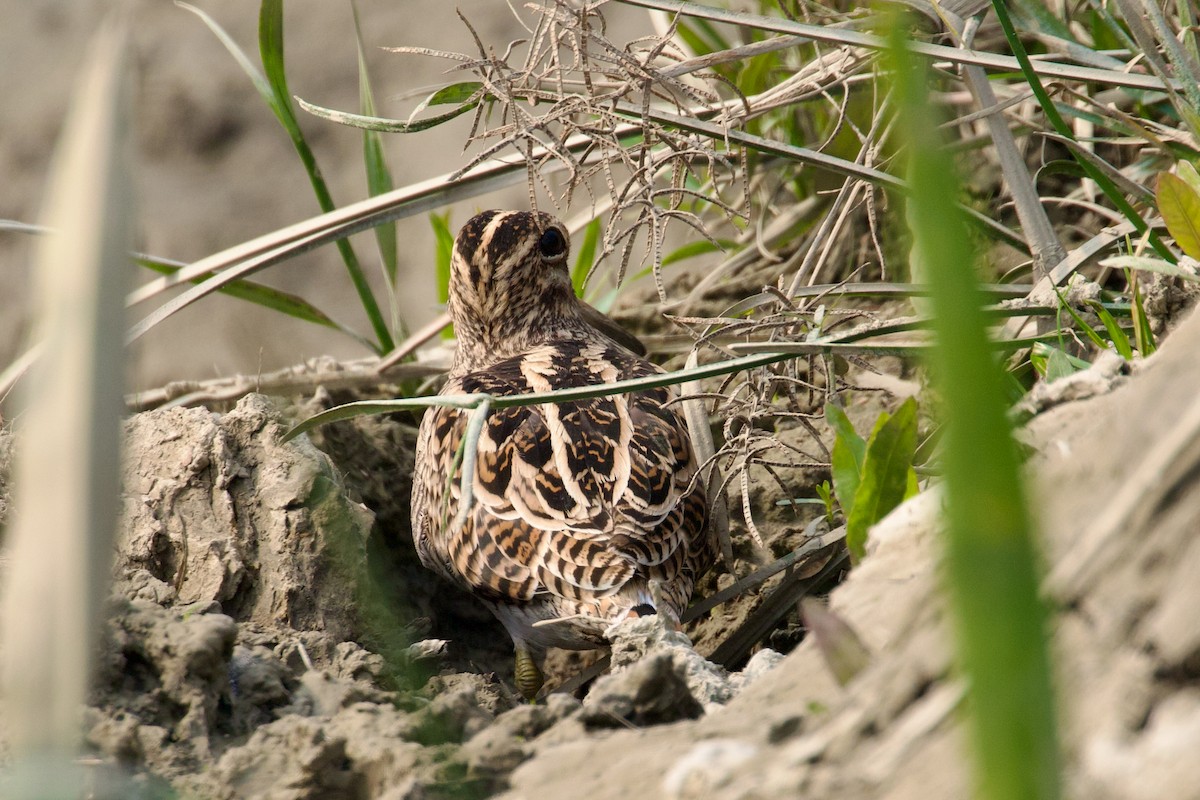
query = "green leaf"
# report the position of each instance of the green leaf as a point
(1116, 333)
(990, 562)
(1079, 321)
(825, 492)
(442, 256)
(1085, 157)
(467, 94)
(696, 248)
(1187, 173)
(889, 457)
(586, 256)
(1179, 205)
(849, 452)
(1053, 363)
(1058, 365)
(454, 93)
(270, 46)
(1046, 21)
(382, 123)
(273, 89)
(1142, 334)
(259, 294)
(379, 177)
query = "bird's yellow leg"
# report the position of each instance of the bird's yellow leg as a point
(528, 676)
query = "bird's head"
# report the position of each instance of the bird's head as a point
(510, 285)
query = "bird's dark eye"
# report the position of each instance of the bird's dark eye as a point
(552, 245)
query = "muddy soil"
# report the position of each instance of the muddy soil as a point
(244, 657)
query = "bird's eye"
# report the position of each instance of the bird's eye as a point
(552, 245)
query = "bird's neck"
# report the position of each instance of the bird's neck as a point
(488, 339)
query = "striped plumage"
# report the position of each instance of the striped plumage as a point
(583, 512)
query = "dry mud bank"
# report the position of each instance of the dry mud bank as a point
(242, 658)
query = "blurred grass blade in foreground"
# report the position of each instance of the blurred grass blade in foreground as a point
(60, 541)
(991, 569)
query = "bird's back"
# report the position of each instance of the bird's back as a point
(586, 508)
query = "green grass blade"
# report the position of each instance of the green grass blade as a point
(366, 407)
(956, 55)
(1080, 322)
(273, 89)
(1116, 333)
(697, 248)
(379, 177)
(991, 561)
(382, 124)
(442, 257)
(270, 45)
(586, 256)
(1142, 335)
(1103, 181)
(259, 294)
(243, 260)
(886, 465)
(59, 546)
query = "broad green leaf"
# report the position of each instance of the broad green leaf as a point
(847, 456)
(914, 487)
(1179, 205)
(884, 481)
(1187, 173)
(1058, 365)
(1053, 362)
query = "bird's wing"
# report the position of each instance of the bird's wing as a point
(573, 499)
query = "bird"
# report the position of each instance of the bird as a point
(579, 514)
